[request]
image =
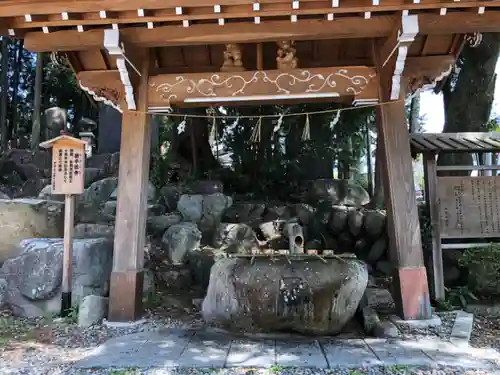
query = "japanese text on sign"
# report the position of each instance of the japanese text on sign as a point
(469, 206)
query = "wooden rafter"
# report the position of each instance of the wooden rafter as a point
(49, 13)
(455, 142)
(244, 32)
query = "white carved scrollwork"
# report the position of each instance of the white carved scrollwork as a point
(339, 82)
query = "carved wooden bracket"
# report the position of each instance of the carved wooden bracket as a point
(117, 49)
(423, 73)
(105, 86)
(395, 49)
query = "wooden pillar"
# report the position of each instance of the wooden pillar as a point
(431, 198)
(126, 287)
(410, 277)
(411, 292)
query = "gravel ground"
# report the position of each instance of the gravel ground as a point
(31, 343)
(443, 331)
(486, 332)
(391, 370)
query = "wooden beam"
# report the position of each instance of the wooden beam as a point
(203, 9)
(245, 32)
(69, 40)
(358, 83)
(126, 287)
(411, 289)
(240, 11)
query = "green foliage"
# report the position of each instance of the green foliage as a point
(72, 314)
(425, 228)
(460, 296)
(282, 159)
(159, 158)
(484, 264)
(59, 88)
(444, 305)
(12, 329)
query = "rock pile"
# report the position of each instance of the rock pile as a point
(33, 278)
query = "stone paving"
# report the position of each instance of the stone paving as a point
(202, 349)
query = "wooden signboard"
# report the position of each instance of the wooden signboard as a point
(68, 164)
(469, 206)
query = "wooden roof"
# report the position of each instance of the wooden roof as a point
(455, 142)
(266, 19)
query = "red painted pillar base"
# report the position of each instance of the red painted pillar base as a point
(411, 293)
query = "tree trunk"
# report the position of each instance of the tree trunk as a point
(468, 99)
(35, 131)
(415, 114)
(4, 100)
(15, 86)
(378, 196)
(192, 146)
(369, 167)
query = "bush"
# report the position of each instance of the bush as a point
(483, 265)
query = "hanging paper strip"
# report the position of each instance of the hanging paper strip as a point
(213, 131)
(335, 120)
(255, 138)
(278, 124)
(306, 134)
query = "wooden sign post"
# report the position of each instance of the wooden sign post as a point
(68, 166)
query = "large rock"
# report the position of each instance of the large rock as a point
(27, 218)
(46, 194)
(338, 219)
(235, 238)
(151, 193)
(3, 292)
(94, 231)
(244, 212)
(309, 296)
(212, 208)
(191, 207)
(200, 263)
(89, 204)
(355, 222)
(377, 250)
(34, 277)
(179, 240)
(344, 192)
(92, 310)
(374, 223)
(159, 224)
(170, 195)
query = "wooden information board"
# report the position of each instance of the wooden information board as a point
(469, 206)
(68, 165)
